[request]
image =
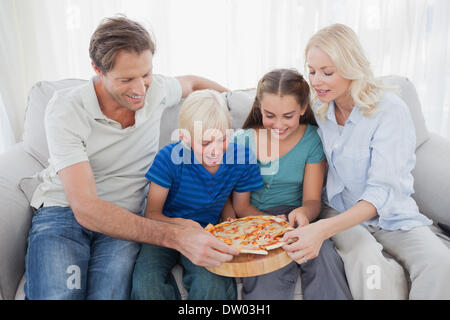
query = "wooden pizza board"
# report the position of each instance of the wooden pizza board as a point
(250, 265)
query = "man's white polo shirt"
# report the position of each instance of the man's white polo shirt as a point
(78, 131)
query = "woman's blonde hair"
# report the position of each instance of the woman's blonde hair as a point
(342, 45)
(206, 107)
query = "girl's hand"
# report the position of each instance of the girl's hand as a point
(308, 243)
(299, 217)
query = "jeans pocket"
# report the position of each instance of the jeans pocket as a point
(52, 218)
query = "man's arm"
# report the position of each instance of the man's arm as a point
(101, 216)
(192, 83)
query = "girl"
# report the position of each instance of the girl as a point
(280, 130)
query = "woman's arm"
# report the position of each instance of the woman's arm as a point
(312, 194)
(311, 237)
(157, 196)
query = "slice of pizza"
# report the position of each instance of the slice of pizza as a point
(252, 234)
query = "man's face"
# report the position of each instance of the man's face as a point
(128, 82)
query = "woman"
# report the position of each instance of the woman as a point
(369, 141)
(281, 131)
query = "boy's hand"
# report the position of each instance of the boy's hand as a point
(299, 217)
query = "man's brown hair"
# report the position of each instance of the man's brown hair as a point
(116, 34)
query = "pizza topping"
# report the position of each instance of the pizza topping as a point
(252, 234)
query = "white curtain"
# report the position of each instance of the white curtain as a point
(5, 129)
(231, 41)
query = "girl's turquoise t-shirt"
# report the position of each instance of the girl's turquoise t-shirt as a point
(283, 177)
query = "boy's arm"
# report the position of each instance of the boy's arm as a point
(157, 196)
(242, 206)
(228, 210)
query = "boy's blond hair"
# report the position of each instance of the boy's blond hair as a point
(206, 107)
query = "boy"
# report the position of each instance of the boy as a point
(190, 182)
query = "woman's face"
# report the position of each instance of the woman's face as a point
(326, 81)
(280, 114)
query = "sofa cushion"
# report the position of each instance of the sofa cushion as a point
(431, 179)
(406, 90)
(239, 102)
(34, 139)
(15, 216)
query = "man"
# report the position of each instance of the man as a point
(102, 137)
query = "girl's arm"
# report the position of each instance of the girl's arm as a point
(312, 194)
(242, 206)
(157, 196)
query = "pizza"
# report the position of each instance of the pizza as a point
(252, 234)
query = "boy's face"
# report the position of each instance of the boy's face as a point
(210, 147)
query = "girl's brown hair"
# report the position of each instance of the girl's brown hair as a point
(281, 82)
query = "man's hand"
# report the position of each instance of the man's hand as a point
(192, 83)
(203, 249)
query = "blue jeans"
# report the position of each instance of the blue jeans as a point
(153, 279)
(67, 261)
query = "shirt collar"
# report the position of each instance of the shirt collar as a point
(154, 97)
(90, 101)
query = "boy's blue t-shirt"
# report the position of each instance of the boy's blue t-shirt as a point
(195, 193)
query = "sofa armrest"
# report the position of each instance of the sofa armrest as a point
(15, 217)
(432, 179)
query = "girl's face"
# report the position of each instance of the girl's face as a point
(326, 81)
(280, 114)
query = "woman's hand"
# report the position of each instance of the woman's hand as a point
(298, 216)
(308, 242)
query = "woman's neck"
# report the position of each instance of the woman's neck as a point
(343, 107)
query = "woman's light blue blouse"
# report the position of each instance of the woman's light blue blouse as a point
(371, 159)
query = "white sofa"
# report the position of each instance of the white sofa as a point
(432, 172)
